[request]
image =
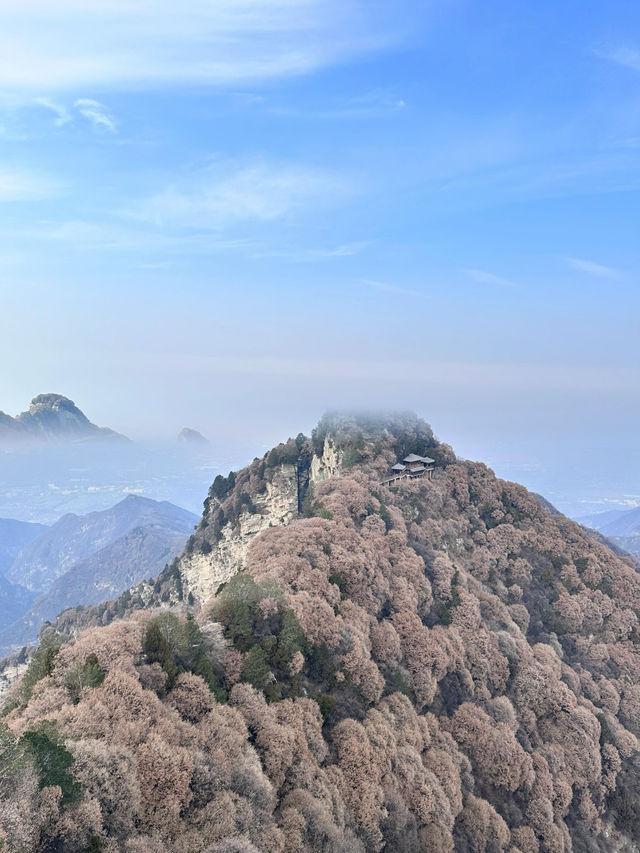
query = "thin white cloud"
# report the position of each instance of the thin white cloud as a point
(383, 99)
(347, 250)
(594, 269)
(169, 245)
(61, 113)
(628, 142)
(147, 43)
(629, 57)
(626, 501)
(377, 103)
(96, 113)
(228, 193)
(484, 277)
(92, 236)
(385, 287)
(26, 186)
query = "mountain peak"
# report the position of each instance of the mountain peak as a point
(279, 488)
(193, 438)
(52, 401)
(51, 418)
(436, 663)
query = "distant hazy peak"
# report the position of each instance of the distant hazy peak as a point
(192, 437)
(51, 417)
(53, 401)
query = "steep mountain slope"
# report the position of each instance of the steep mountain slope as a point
(74, 538)
(627, 525)
(621, 526)
(14, 598)
(50, 417)
(140, 553)
(82, 560)
(439, 665)
(14, 601)
(14, 535)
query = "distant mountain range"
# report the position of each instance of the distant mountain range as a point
(14, 535)
(622, 526)
(14, 601)
(85, 559)
(51, 418)
(74, 538)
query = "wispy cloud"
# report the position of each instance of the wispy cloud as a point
(227, 193)
(377, 103)
(26, 186)
(146, 44)
(309, 255)
(62, 115)
(106, 236)
(25, 115)
(96, 113)
(594, 269)
(629, 57)
(386, 287)
(484, 277)
(379, 100)
(164, 246)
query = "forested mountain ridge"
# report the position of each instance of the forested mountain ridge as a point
(442, 665)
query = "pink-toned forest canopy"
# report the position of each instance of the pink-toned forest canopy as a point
(439, 666)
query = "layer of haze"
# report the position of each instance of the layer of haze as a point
(235, 216)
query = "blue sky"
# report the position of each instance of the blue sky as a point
(234, 214)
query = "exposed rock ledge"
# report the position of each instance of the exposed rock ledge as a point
(202, 573)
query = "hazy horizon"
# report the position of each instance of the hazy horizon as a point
(578, 475)
(414, 206)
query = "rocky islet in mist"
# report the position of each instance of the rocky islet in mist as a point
(193, 438)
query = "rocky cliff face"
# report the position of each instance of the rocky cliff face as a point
(11, 668)
(275, 490)
(274, 496)
(328, 463)
(203, 569)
